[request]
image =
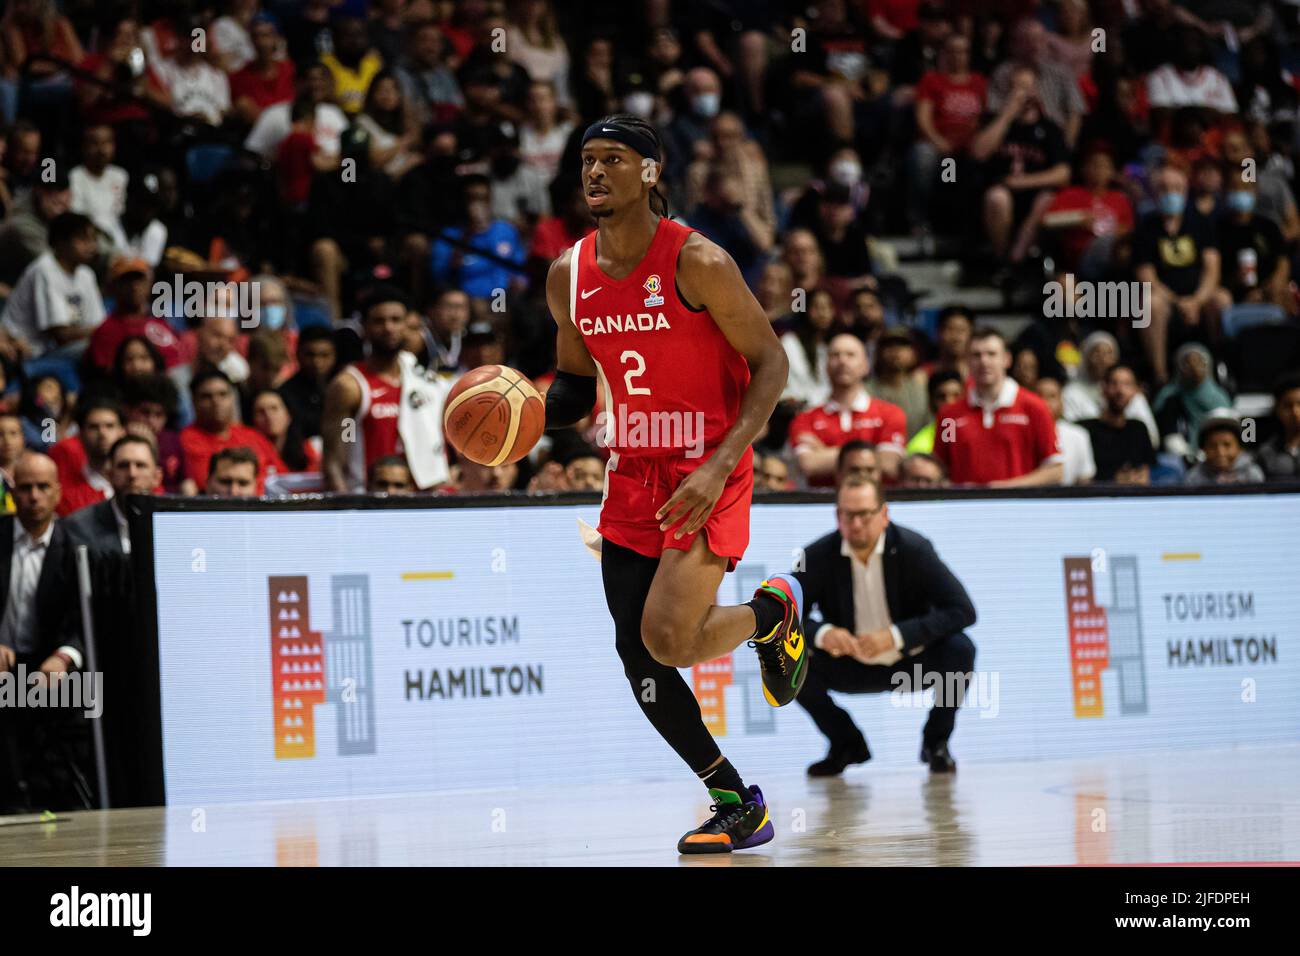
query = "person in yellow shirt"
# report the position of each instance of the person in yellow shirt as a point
(11, 449)
(353, 63)
(943, 387)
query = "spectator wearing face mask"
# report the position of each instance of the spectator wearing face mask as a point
(1178, 254)
(1256, 267)
(686, 135)
(843, 169)
(1223, 460)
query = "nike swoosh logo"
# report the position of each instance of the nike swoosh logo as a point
(590, 292)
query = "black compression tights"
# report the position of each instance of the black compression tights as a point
(664, 697)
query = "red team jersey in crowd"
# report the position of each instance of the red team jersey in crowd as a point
(1010, 439)
(868, 419)
(381, 400)
(672, 386)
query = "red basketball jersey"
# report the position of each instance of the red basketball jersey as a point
(381, 400)
(671, 379)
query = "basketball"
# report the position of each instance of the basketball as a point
(494, 415)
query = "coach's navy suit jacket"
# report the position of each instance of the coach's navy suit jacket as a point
(926, 601)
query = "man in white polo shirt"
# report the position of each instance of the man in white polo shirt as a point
(56, 305)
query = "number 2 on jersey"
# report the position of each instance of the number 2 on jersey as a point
(632, 373)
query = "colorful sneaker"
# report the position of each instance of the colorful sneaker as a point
(735, 824)
(783, 653)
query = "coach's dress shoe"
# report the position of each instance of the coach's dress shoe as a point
(938, 758)
(840, 757)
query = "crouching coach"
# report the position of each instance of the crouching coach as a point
(879, 601)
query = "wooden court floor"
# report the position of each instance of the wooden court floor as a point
(1204, 806)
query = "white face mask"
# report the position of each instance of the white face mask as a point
(640, 103)
(846, 172)
(706, 104)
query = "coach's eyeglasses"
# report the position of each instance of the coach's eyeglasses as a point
(867, 515)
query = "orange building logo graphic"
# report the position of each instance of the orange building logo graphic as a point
(310, 667)
(1105, 633)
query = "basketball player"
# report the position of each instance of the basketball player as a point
(369, 393)
(663, 318)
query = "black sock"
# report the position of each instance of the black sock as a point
(725, 777)
(768, 613)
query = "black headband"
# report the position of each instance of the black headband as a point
(627, 135)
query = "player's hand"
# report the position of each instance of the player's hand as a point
(693, 501)
(838, 642)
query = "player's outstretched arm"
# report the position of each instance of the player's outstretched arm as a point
(709, 278)
(342, 401)
(573, 393)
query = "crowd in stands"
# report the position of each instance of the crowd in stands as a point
(314, 148)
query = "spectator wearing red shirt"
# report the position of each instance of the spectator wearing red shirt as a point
(851, 413)
(1090, 217)
(893, 19)
(215, 429)
(998, 434)
(271, 418)
(268, 80)
(554, 234)
(100, 423)
(129, 282)
(949, 104)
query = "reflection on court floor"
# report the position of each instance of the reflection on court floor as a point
(1206, 806)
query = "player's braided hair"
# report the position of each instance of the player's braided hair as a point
(658, 202)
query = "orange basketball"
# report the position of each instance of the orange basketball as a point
(493, 415)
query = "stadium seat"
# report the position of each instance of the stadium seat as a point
(203, 163)
(308, 312)
(1250, 315)
(1263, 353)
(64, 369)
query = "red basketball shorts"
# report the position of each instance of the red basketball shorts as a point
(636, 488)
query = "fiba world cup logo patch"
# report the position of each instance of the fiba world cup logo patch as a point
(653, 286)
